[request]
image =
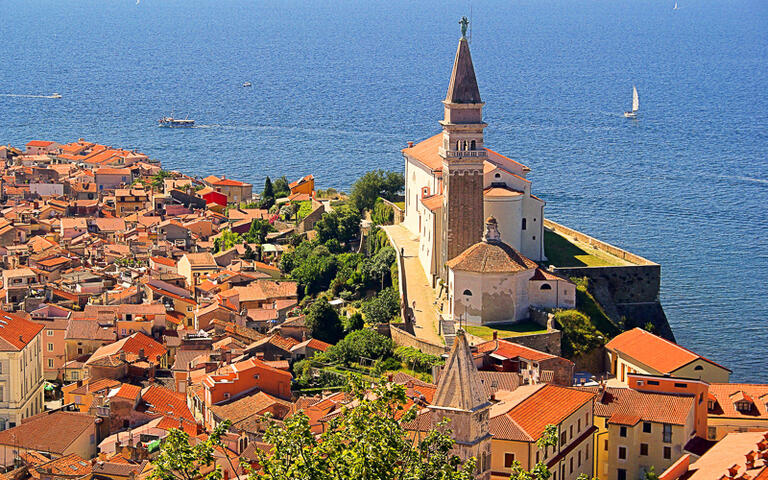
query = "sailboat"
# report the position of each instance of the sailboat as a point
(675, 6)
(635, 104)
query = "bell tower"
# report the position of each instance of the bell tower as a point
(462, 399)
(463, 156)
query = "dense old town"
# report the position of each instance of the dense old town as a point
(150, 316)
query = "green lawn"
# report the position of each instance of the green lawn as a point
(563, 252)
(507, 330)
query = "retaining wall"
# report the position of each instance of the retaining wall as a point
(598, 244)
(401, 338)
(544, 342)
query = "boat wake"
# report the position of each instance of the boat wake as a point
(19, 95)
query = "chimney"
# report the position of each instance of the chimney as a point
(410, 144)
(495, 335)
(751, 457)
(733, 470)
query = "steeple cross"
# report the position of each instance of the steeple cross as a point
(464, 22)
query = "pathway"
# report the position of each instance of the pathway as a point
(417, 287)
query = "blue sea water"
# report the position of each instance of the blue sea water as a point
(340, 86)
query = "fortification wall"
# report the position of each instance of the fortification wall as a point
(598, 244)
(544, 342)
(402, 338)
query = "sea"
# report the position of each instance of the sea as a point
(340, 86)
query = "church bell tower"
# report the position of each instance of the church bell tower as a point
(463, 156)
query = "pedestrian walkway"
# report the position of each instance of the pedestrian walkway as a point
(418, 288)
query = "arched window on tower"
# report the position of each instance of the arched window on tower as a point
(458, 144)
(545, 286)
(472, 145)
(467, 293)
(525, 224)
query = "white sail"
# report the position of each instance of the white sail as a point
(635, 99)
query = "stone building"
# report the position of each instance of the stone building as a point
(462, 399)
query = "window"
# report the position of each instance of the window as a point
(508, 459)
(578, 464)
(653, 382)
(472, 145)
(698, 368)
(49, 332)
(667, 438)
(524, 224)
(50, 363)
(621, 474)
(586, 453)
(667, 452)
(578, 426)
(622, 453)
(50, 347)
(743, 406)
(643, 449)
(545, 286)
(571, 465)
(711, 433)
(537, 457)
(2, 393)
(605, 445)
(498, 175)
(681, 385)
(467, 293)
(562, 438)
(570, 432)
(646, 427)
(622, 431)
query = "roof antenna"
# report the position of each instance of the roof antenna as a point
(470, 22)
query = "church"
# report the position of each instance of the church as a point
(480, 229)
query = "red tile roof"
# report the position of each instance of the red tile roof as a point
(39, 143)
(162, 401)
(510, 350)
(533, 407)
(655, 352)
(727, 394)
(491, 257)
(128, 392)
(626, 406)
(16, 332)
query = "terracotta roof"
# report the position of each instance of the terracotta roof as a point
(511, 350)
(655, 352)
(204, 259)
(228, 182)
(626, 406)
(433, 203)
(160, 400)
(501, 192)
(247, 406)
(133, 345)
(727, 394)
(533, 407)
(99, 385)
(35, 432)
(164, 261)
(112, 171)
(72, 464)
(128, 392)
(491, 257)
(39, 143)
(730, 451)
(16, 332)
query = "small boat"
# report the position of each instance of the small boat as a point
(675, 6)
(170, 122)
(55, 95)
(247, 84)
(635, 104)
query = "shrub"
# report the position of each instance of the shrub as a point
(382, 214)
(361, 343)
(579, 335)
(417, 360)
(323, 322)
(383, 307)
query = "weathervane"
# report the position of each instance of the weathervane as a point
(464, 22)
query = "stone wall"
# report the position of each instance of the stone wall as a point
(598, 244)
(593, 362)
(308, 222)
(399, 214)
(544, 342)
(401, 338)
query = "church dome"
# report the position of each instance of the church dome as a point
(495, 257)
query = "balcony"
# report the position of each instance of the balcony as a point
(465, 153)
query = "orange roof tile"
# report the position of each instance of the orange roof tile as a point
(655, 352)
(16, 331)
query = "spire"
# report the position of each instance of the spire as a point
(460, 387)
(463, 87)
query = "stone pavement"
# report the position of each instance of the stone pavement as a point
(418, 288)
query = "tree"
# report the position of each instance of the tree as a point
(281, 187)
(579, 334)
(367, 440)
(268, 195)
(342, 223)
(323, 322)
(354, 322)
(382, 214)
(179, 460)
(227, 240)
(650, 474)
(257, 233)
(361, 343)
(382, 307)
(540, 470)
(375, 184)
(382, 263)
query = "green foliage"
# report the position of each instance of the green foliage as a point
(375, 184)
(179, 460)
(227, 240)
(417, 360)
(354, 322)
(381, 264)
(305, 208)
(587, 304)
(258, 231)
(281, 188)
(388, 364)
(323, 322)
(650, 474)
(383, 307)
(540, 470)
(376, 240)
(360, 343)
(365, 441)
(342, 223)
(579, 334)
(268, 195)
(382, 214)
